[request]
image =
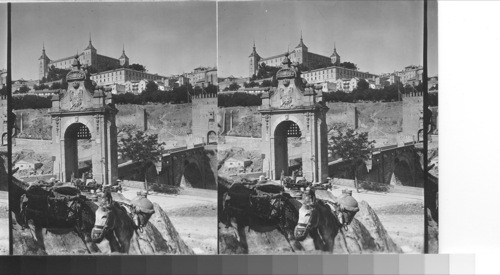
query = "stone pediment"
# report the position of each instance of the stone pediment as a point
(290, 92)
(79, 94)
(76, 97)
(286, 97)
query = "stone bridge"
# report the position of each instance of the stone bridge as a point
(183, 166)
(395, 165)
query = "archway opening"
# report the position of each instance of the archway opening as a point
(402, 173)
(211, 137)
(192, 176)
(287, 149)
(77, 151)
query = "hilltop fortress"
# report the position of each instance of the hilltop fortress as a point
(88, 57)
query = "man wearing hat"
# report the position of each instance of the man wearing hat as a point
(143, 209)
(348, 207)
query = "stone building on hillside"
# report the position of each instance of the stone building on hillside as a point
(88, 57)
(411, 75)
(203, 76)
(122, 76)
(334, 73)
(299, 54)
(27, 164)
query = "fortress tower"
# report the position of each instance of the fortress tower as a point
(204, 117)
(43, 67)
(300, 52)
(124, 58)
(335, 56)
(254, 61)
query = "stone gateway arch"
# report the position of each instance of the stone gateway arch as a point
(294, 110)
(83, 113)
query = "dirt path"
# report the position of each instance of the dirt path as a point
(193, 213)
(401, 214)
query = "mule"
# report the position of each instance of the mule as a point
(58, 216)
(322, 220)
(317, 221)
(113, 223)
(240, 209)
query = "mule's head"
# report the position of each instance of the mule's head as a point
(308, 217)
(104, 220)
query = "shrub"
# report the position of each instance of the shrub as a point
(238, 99)
(164, 188)
(31, 102)
(374, 186)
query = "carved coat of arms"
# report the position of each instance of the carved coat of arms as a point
(286, 97)
(75, 99)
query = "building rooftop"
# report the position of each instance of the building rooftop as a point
(128, 69)
(335, 67)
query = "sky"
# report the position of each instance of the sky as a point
(378, 36)
(3, 36)
(432, 38)
(167, 38)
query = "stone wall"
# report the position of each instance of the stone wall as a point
(38, 146)
(382, 120)
(341, 112)
(412, 115)
(248, 143)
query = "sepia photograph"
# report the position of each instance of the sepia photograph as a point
(321, 147)
(115, 146)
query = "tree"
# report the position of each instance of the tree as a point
(56, 86)
(266, 71)
(31, 102)
(55, 74)
(141, 148)
(250, 84)
(363, 85)
(238, 99)
(137, 67)
(151, 86)
(349, 65)
(351, 146)
(23, 90)
(266, 83)
(233, 87)
(40, 87)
